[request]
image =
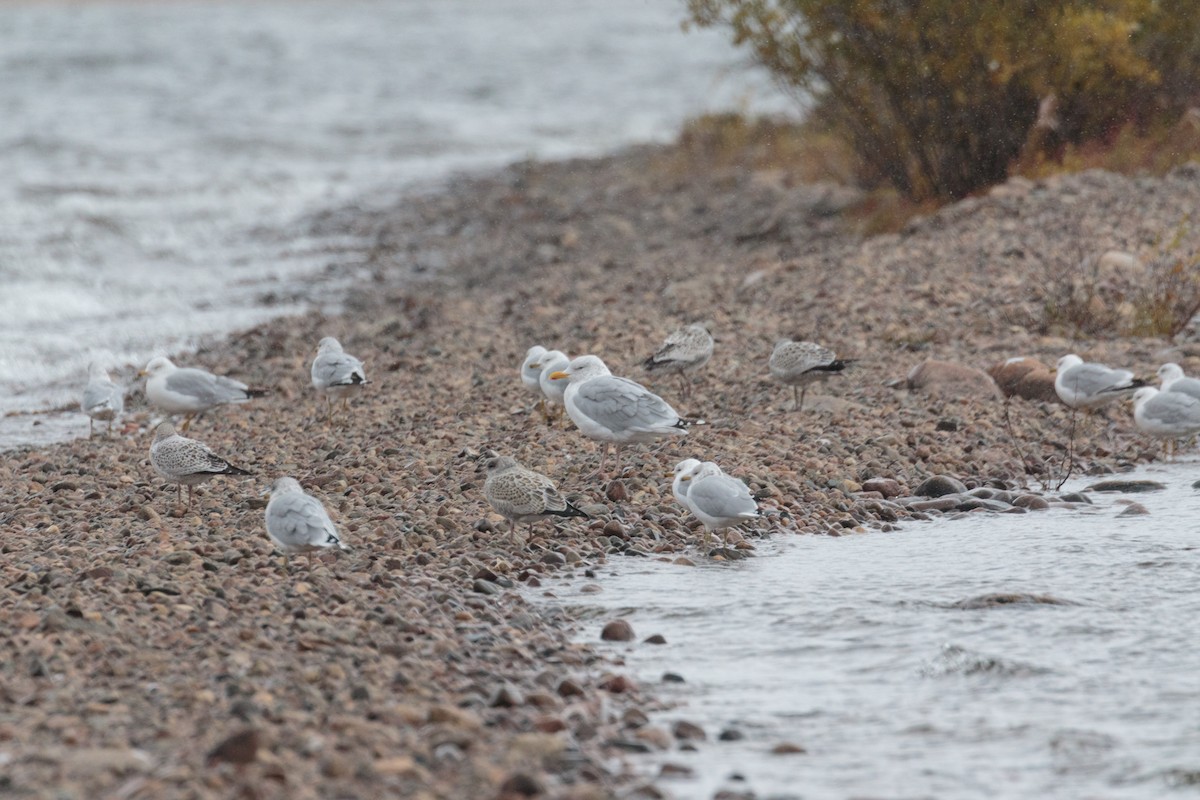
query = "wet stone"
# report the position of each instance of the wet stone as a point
(618, 630)
(1127, 487)
(688, 731)
(940, 485)
(1134, 510)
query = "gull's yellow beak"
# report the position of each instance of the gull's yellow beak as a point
(554, 376)
(142, 373)
(535, 365)
(671, 475)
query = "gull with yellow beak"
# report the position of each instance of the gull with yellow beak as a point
(615, 411)
(190, 391)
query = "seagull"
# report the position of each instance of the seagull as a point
(1166, 415)
(297, 522)
(336, 373)
(797, 364)
(521, 495)
(191, 391)
(553, 361)
(531, 371)
(1087, 385)
(186, 462)
(718, 500)
(613, 410)
(684, 351)
(102, 399)
(1173, 380)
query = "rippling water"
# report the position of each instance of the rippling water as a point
(856, 648)
(160, 158)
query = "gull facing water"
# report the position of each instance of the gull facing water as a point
(186, 462)
(716, 499)
(1173, 380)
(1088, 385)
(336, 373)
(297, 522)
(102, 399)
(1166, 415)
(686, 350)
(191, 391)
(615, 411)
(798, 364)
(519, 494)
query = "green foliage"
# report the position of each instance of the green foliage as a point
(938, 97)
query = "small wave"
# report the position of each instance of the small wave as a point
(998, 599)
(955, 660)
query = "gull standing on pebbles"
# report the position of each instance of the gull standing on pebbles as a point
(684, 351)
(102, 399)
(1173, 380)
(613, 410)
(186, 462)
(1166, 415)
(1087, 385)
(718, 500)
(336, 373)
(297, 522)
(191, 391)
(521, 495)
(531, 371)
(553, 361)
(797, 364)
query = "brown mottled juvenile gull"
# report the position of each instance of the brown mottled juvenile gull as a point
(297, 522)
(191, 391)
(1166, 415)
(718, 500)
(336, 373)
(1173, 380)
(102, 399)
(686, 350)
(613, 410)
(521, 495)
(797, 364)
(186, 462)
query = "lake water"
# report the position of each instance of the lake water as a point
(853, 648)
(160, 159)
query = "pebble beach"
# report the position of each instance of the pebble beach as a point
(143, 635)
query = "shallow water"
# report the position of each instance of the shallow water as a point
(853, 648)
(160, 159)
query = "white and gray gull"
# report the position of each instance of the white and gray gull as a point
(186, 462)
(519, 494)
(798, 364)
(615, 411)
(191, 391)
(718, 500)
(1088, 385)
(336, 373)
(297, 522)
(686, 350)
(1166, 415)
(1173, 380)
(102, 399)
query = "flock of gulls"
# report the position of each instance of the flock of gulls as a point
(612, 410)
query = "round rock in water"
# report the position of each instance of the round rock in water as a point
(939, 486)
(617, 631)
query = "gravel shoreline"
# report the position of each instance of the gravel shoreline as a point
(142, 635)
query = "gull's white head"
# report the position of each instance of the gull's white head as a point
(1169, 373)
(1144, 394)
(158, 366)
(531, 367)
(581, 369)
(683, 478)
(552, 362)
(1068, 361)
(284, 485)
(329, 345)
